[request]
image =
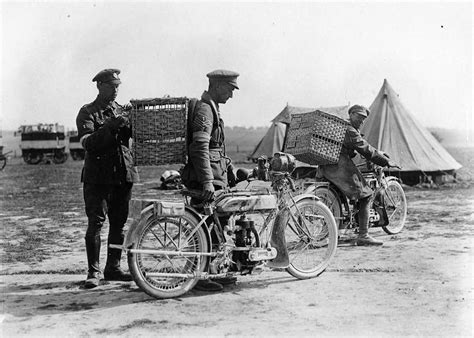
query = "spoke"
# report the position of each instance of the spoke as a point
(298, 226)
(157, 238)
(393, 213)
(167, 236)
(163, 245)
(388, 193)
(300, 251)
(179, 232)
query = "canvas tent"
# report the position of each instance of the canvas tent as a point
(274, 138)
(391, 128)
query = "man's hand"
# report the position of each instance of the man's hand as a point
(231, 176)
(127, 106)
(114, 123)
(392, 164)
(208, 191)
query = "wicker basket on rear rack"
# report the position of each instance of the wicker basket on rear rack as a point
(316, 137)
(159, 128)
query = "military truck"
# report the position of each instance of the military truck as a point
(75, 148)
(43, 142)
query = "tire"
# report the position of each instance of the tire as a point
(59, 157)
(310, 251)
(332, 200)
(396, 206)
(33, 157)
(77, 155)
(3, 163)
(154, 232)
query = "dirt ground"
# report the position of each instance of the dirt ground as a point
(419, 283)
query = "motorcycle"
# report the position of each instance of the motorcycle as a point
(174, 241)
(388, 205)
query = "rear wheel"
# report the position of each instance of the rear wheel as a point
(174, 244)
(331, 199)
(3, 162)
(311, 238)
(396, 206)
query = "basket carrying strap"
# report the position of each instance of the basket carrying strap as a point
(191, 108)
(192, 105)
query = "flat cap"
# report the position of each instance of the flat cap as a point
(108, 76)
(226, 76)
(361, 110)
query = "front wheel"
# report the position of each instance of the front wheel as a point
(168, 255)
(311, 237)
(396, 206)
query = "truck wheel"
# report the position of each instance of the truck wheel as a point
(59, 157)
(33, 158)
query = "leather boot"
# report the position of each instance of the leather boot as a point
(113, 271)
(208, 286)
(226, 280)
(366, 240)
(93, 254)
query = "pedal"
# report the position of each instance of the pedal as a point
(262, 254)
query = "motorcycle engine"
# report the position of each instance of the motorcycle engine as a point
(246, 236)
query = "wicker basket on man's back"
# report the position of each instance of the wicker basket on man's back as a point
(316, 137)
(159, 131)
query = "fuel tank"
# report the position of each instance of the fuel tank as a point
(244, 203)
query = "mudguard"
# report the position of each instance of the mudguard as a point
(278, 240)
(277, 237)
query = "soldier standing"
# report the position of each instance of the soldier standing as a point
(108, 174)
(208, 168)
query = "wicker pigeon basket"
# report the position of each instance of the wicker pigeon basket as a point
(316, 137)
(159, 128)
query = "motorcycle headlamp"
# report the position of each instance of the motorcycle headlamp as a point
(283, 162)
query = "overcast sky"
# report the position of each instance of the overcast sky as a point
(308, 54)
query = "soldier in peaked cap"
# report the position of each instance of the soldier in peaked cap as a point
(224, 76)
(348, 178)
(107, 76)
(108, 174)
(208, 168)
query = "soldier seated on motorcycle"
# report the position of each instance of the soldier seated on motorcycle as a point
(208, 168)
(347, 177)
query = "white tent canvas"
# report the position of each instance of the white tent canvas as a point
(391, 128)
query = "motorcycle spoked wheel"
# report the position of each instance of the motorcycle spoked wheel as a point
(312, 244)
(166, 234)
(396, 206)
(329, 197)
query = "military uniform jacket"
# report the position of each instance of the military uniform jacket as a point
(108, 159)
(345, 174)
(207, 161)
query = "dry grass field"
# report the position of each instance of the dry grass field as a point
(419, 283)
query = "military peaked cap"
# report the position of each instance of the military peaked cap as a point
(226, 76)
(108, 76)
(361, 110)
